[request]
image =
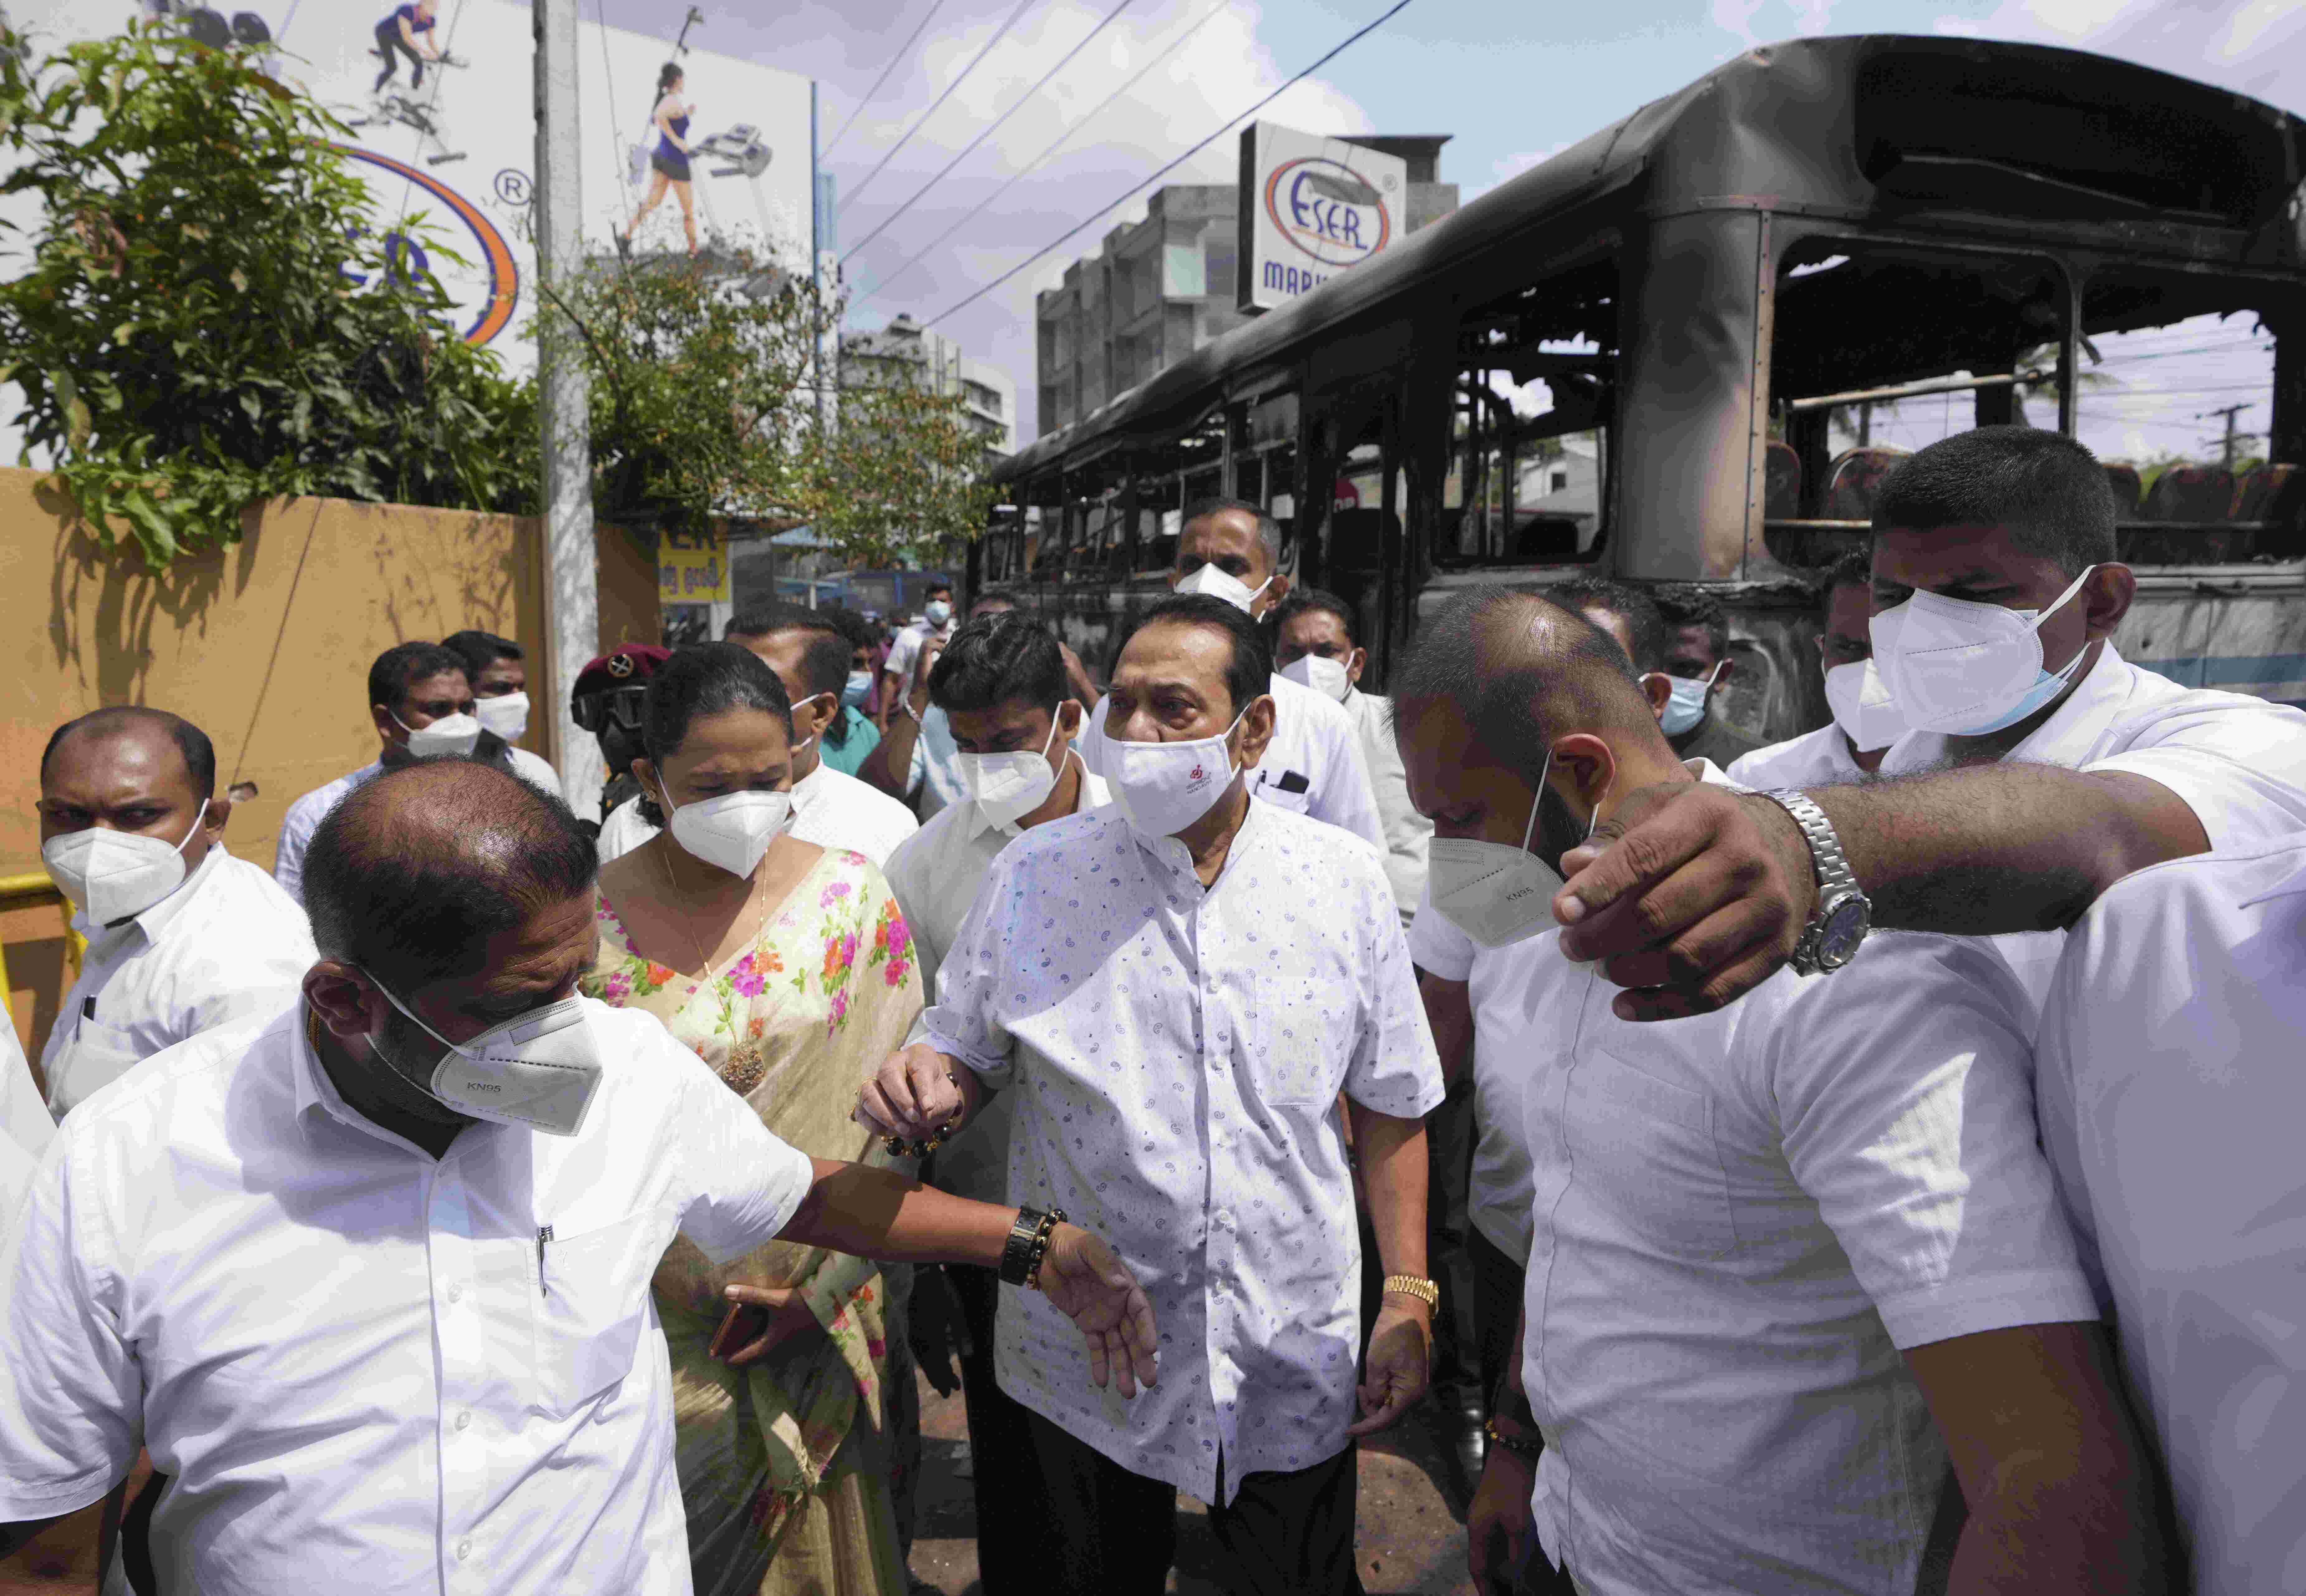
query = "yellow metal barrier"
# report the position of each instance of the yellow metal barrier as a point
(30, 891)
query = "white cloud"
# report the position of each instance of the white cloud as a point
(1739, 19)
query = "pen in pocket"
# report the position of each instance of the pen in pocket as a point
(543, 1235)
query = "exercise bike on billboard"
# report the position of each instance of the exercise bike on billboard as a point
(407, 32)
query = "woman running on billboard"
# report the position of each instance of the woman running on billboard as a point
(396, 36)
(671, 160)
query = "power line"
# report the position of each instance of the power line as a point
(990, 129)
(975, 62)
(1350, 40)
(1041, 159)
(826, 152)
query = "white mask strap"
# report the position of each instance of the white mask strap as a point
(2059, 603)
(1530, 831)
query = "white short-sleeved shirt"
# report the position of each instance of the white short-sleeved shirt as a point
(831, 809)
(359, 1365)
(26, 1128)
(935, 876)
(1739, 1221)
(1313, 765)
(1407, 834)
(1820, 758)
(2172, 1080)
(905, 649)
(1176, 1055)
(227, 943)
(934, 780)
(305, 814)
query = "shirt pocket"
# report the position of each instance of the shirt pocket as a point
(590, 1302)
(1645, 1149)
(97, 1056)
(1269, 789)
(1292, 1065)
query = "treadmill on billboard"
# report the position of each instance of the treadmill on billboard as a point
(1311, 207)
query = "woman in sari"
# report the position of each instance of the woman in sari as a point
(789, 971)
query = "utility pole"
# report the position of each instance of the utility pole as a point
(571, 576)
(2229, 412)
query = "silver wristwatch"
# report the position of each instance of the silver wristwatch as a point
(1844, 913)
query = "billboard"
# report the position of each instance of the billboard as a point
(692, 567)
(439, 96)
(1311, 207)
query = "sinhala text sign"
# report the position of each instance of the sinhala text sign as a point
(1311, 207)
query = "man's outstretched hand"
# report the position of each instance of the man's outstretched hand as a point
(1092, 1287)
(1690, 895)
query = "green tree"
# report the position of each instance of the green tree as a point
(209, 320)
(893, 474)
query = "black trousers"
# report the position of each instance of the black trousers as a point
(1451, 1132)
(1012, 1536)
(1106, 1531)
(392, 46)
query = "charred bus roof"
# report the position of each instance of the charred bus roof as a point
(1951, 135)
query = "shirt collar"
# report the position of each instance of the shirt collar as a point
(317, 1094)
(1172, 853)
(1091, 796)
(155, 920)
(2074, 728)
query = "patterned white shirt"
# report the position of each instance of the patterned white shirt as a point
(356, 1361)
(1176, 1056)
(829, 808)
(227, 943)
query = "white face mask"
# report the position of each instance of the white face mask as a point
(937, 612)
(1163, 788)
(1687, 707)
(1222, 585)
(1326, 675)
(114, 874)
(508, 716)
(1862, 706)
(1007, 787)
(540, 1070)
(732, 830)
(1494, 895)
(457, 734)
(1964, 669)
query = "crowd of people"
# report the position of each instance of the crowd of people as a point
(1854, 1163)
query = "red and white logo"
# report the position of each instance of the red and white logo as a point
(1198, 773)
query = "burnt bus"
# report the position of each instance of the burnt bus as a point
(1685, 351)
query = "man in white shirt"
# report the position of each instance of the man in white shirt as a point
(369, 1277)
(2172, 1098)
(1786, 1260)
(936, 623)
(2042, 767)
(182, 936)
(1177, 987)
(831, 808)
(423, 704)
(1314, 646)
(1232, 550)
(26, 1128)
(1850, 747)
(1002, 685)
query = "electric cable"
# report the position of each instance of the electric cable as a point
(990, 129)
(1350, 39)
(976, 61)
(1035, 163)
(826, 154)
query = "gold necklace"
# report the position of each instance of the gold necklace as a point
(752, 890)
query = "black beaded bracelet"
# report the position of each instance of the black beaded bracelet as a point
(1049, 1223)
(1028, 1241)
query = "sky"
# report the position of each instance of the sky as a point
(1512, 80)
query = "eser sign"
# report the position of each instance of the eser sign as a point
(1310, 208)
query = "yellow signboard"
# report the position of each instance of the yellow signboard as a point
(692, 567)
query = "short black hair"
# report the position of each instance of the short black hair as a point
(994, 595)
(480, 650)
(1854, 568)
(1300, 601)
(1695, 607)
(825, 659)
(1269, 530)
(2044, 488)
(853, 625)
(192, 742)
(937, 587)
(1248, 673)
(403, 664)
(705, 678)
(1645, 620)
(996, 658)
(411, 916)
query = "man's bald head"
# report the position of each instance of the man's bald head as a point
(134, 721)
(1521, 671)
(412, 875)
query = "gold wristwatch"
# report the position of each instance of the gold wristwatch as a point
(1410, 1286)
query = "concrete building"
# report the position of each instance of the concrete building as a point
(1160, 288)
(904, 346)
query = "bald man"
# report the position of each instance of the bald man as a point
(370, 1275)
(182, 936)
(1784, 1261)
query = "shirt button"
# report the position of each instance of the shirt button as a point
(455, 1293)
(465, 1421)
(464, 1550)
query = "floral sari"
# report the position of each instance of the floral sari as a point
(789, 1468)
